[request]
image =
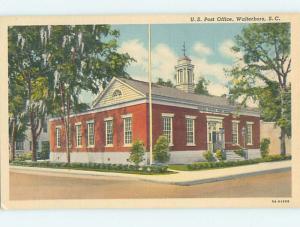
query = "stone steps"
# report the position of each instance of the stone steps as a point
(231, 156)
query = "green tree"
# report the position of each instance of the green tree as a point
(83, 58)
(17, 115)
(168, 83)
(27, 80)
(201, 87)
(161, 150)
(262, 73)
(137, 152)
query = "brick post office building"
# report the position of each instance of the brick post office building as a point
(192, 123)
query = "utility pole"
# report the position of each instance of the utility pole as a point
(150, 96)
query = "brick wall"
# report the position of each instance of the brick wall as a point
(179, 128)
(139, 129)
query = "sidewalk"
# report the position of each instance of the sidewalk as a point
(180, 178)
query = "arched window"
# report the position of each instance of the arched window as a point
(117, 93)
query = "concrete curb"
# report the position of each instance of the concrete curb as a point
(223, 178)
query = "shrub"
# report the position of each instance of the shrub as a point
(25, 156)
(137, 152)
(239, 152)
(264, 147)
(210, 165)
(161, 150)
(219, 155)
(208, 155)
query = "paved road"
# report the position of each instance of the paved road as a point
(30, 186)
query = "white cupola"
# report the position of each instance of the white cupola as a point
(185, 73)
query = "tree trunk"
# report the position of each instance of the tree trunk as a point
(282, 141)
(13, 142)
(34, 141)
(67, 135)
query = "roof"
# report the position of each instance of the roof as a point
(159, 90)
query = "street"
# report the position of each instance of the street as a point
(33, 187)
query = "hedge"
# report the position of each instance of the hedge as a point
(222, 164)
(95, 167)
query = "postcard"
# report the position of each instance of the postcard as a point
(150, 111)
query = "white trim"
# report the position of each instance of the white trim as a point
(193, 125)
(99, 97)
(126, 115)
(237, 137)
(235, 121)
(250, 124)
(76, 134)
(214, 118)
(154, 101)
(167, 115)
(173, 103)
(124, 136)
(56, 136)
(78, 123)
(223, 114)
(112, 128)
(88, 134)
(190, 117)
(108, 119)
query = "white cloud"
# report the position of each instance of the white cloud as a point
(217, 89)
(211, 71)
(136, 49)
(225, 49)
(163, 62)
(202, 49)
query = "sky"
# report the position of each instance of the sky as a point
(208, 46)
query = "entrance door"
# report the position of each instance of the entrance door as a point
(213, 134)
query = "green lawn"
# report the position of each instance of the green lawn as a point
(179, 167)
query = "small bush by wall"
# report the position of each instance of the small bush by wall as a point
(264, 147)
(208, 155)
(239, 152)
(161, 151)
(137, 152)
(219, 155)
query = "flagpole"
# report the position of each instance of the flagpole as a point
(150, 95)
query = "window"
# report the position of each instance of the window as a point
(168, 127)
(190, 130)
(19, 145)
(78, 135)
(109, 132)
(127, 131)
(235, 132)
(249, 133)
(117, 93)
(58, 137)
(91, 134)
